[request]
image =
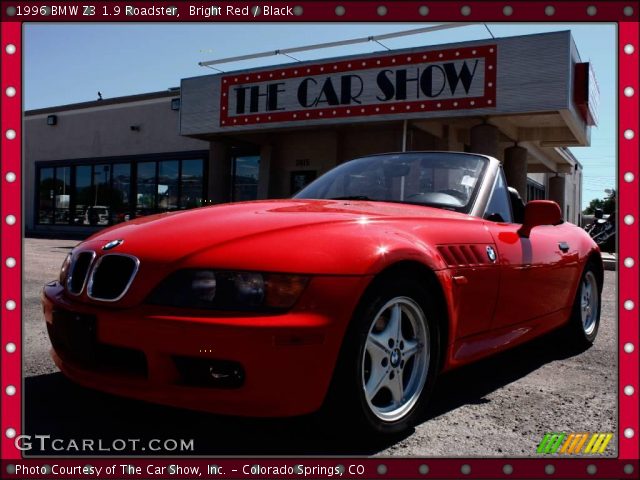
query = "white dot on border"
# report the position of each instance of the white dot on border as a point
(628, 177)
(628, 11)
(465, 469)
(549, 469)
(628, 469)
(382, 10)
(10, 92)
(549, 10)
(10, 177)
(507, 469)
(10, 432)
(507, 11)
(10, 390)
(628, 219)
(628, 49)
(628, 305)
(10, 305)
(628, 262)
(10, 49)
(629, 433)
(628, 91)
(592, 469)
(423, 469)
(10, 262)
(10, 347)
(11, 220)
(340, 10)
(382, 469)
(10, 134)
(423, 10)
(465, 10)
(628, 347)
(592, 10)
(628, 134)
(628, 390)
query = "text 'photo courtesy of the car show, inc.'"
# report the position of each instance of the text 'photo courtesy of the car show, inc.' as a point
(319, 239)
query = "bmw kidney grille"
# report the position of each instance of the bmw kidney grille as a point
(78, 272)
(108, 279)
(112, 276)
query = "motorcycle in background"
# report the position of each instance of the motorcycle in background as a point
(603, 230)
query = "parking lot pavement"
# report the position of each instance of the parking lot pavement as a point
(501, 406)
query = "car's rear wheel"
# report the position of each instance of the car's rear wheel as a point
(585, 316)
(390, 358)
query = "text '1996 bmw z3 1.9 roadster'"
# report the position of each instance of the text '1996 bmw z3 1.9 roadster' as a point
(351, 296)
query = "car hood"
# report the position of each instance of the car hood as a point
(289, 235)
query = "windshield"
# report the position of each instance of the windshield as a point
(440, 179)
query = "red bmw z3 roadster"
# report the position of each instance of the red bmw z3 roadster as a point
(354, 294)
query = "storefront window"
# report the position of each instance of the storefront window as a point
(147, 189)
(168, 185)
(98, 212)
(104, 194)
(45, 211)
(191, 183)
(62, 194)
(83, 194)
(121, 193)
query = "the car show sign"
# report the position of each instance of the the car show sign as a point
(452, 79)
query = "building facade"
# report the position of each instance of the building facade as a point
(267, 132)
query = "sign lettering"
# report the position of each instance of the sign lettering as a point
(463, 78)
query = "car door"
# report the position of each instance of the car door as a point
(537, 274)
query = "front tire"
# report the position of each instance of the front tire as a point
(390, 358)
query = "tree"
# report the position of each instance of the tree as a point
(607, 204)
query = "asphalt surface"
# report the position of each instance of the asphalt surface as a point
(501, 406)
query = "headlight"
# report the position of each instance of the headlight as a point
(64, 270)
(220, 290)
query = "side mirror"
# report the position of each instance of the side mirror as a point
(540, 212)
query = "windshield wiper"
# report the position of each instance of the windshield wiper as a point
(351, 197)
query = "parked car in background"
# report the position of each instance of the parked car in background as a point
(97, 215)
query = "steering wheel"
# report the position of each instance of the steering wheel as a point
(437, 198)
(454, 193)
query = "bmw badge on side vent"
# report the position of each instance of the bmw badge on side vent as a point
(112, 244)
(491, 253)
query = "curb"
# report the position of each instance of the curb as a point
(609, 262)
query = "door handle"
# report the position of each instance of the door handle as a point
(564, 246)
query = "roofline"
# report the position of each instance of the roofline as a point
(569, 155)
(398, 51)
(109, 101)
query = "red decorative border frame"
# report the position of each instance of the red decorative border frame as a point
(625, 466)
(488, 100)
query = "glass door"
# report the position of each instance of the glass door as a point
(246, 171)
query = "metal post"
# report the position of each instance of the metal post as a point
(404, 149)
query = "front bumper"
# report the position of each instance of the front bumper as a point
(287, 360)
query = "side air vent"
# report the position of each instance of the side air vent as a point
(80, 265)
(464, 255)
(112, 276)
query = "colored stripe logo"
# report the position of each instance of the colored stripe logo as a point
(574, 443)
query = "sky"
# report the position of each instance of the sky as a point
(70, 63)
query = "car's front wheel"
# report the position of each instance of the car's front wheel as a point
(390, 359)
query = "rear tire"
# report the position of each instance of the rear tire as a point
(389, 358)
(585, 316)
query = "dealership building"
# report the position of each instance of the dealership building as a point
(267, 132)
